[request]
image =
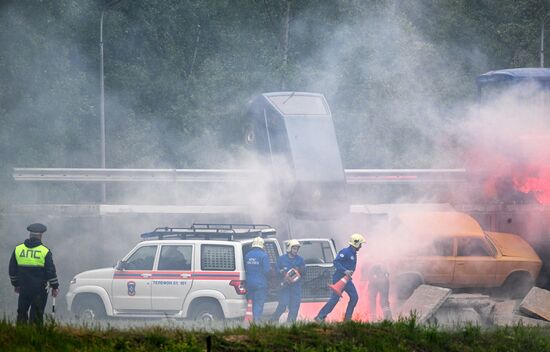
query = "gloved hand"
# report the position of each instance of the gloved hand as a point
(348, 272)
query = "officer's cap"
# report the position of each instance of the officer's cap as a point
(36, 228)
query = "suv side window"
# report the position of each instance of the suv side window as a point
(175, 258)
(142, 259)
(217, 257)
(471, 247)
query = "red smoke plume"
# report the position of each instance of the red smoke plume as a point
(517, 172)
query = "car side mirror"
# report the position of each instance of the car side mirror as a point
(120, 265)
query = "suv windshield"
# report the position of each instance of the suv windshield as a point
(142, 259)
(316, 252)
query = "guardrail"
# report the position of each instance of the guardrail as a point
(353, 176)
(358, 176)
(133, 175)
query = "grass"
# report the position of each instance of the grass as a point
(404, 335)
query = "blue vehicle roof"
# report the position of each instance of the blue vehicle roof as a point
(515, 75)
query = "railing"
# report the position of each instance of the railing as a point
(357, 176)
(353, 176)
(132, 175)
(229, 232)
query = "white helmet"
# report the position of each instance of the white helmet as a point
(292, 243)
(356, 240)
(258, 242)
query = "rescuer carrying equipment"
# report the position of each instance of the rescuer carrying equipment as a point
(344, 263)
(291, 267)
(31, 269)
(292, 275)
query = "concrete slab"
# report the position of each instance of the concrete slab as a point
(424, 302)
(468, 300)
(508, 313)
(526, 321)
(465, 308)
(455, 317)
(536, 303)
(505, 312)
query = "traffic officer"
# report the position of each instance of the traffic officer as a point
(344, 263)
(31, 268)
(291, 268)
(257, 269)
(379, 287)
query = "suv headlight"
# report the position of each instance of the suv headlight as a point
(73, 281)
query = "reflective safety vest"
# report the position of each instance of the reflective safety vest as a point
(35, 256)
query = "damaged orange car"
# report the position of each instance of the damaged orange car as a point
(451, 249)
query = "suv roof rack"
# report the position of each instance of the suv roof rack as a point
(230, 232)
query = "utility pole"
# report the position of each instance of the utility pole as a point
(107, 6)
(542, 39)
(285, 44)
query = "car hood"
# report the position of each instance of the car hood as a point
(104, 273)
(511, 245)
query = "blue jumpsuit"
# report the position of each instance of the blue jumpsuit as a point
(290, 294)
(345, 260)
(257, 269)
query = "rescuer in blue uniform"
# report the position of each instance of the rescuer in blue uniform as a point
(291, 267)
(31, 268)
(257, 269)
(345, 263)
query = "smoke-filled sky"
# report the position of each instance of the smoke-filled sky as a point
(392, 84)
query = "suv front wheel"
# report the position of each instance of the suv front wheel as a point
(90, 308)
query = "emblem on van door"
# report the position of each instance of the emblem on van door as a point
(131, 288)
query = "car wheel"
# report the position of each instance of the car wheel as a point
(406, 285)
(207, 313)
(90, 309)
(517, 285)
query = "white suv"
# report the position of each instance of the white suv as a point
(196, 273)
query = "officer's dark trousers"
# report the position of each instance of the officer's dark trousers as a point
(36, 301)
(334, 298)
(379, 289)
